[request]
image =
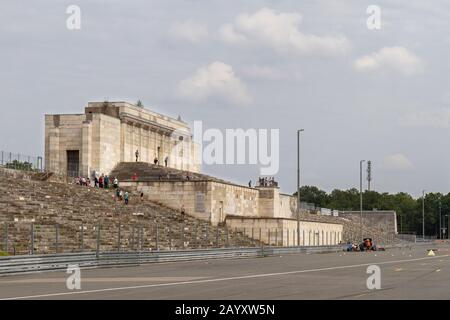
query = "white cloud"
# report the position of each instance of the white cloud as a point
(393, 58)
(229, 34)
(262, 72)
(189, 31)
(280, 31)
(215, 80)
(397, 161)
(436, 119)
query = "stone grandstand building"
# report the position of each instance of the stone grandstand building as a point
(105, 138)
(108, 133)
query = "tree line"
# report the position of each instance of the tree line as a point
(409, 209)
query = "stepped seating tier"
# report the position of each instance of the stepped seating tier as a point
(25, 201)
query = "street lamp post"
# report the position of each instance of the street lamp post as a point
(446, 216)
(298, 185)
(423, 214)
(401, 224)
(447, 223)
(440, 229)
(360, 197)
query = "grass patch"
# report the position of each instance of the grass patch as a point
(3, 254)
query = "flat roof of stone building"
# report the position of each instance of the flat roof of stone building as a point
(97, 104)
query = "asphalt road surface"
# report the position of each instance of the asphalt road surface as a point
(406, 273)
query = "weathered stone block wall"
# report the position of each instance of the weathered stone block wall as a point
(214, 201)
(267, 201)
(317, 233)
(284, 231)
(274, 204)
(228, 199)
(109, 147)
(62, 133)
(384, 221)
(288, 206)
(194, 195)
(205, 200)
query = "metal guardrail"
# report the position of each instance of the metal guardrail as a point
(10, 265)
(426, 240)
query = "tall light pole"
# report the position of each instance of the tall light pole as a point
(298, 185)
(440, 229)
(369, 174)
(446, 216)
(360, 196)
(447, 223)
(423, 214)
(401, 224)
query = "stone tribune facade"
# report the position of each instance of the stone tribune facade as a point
(111, 132)
(106, 137)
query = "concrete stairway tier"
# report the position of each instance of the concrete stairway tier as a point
(44, 204)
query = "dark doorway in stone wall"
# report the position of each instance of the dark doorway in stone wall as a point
(73, 163)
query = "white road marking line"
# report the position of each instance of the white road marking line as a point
(115, 279)
(220, 279)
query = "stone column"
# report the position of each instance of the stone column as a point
(163, 148)
(147, 131)
(140, 142)
(152, 144)
(160, 145)
(53, 163)
(132, 141)
(86, 148)
(123, 135)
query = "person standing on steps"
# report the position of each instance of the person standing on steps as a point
(137, 155)
(125, 197)
(166, 160)
(183, 211)
(106, 182)
(100, 181)
(134, 177)
(116, 183)
(155, 161)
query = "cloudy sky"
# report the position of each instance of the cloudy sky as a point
(382, 95)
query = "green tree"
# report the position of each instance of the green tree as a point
(408, 209)
(344, 200)
(314, 195)
(18, 165)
